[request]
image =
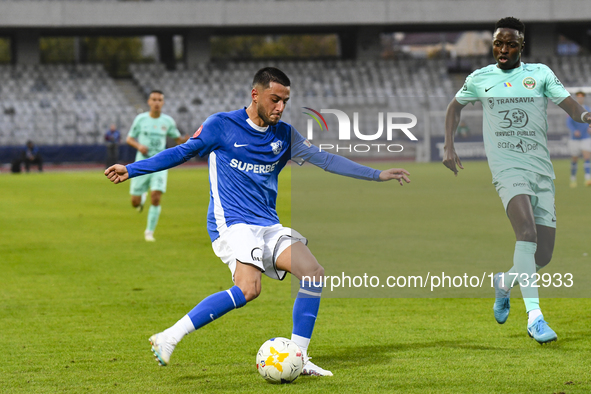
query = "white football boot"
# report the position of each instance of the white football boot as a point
(149, 236)
(162, 347)
(312, 369)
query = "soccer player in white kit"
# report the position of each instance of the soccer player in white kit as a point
(247, 149)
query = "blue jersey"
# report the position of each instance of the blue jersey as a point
(573, 126)
(244, 164)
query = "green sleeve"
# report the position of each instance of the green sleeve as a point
(134, 130)
(554, 89)
(467, 94)
(173, 131)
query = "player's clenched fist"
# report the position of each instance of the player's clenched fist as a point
(117, 173)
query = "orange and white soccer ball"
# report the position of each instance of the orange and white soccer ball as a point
(280, 360)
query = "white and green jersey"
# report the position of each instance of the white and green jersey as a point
(515, 121)
(152, 132)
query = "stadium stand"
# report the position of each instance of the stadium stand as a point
(349, 85)
(59, 104)
(74, 104)
(409, 85)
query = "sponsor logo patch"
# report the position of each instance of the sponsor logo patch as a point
(198, 132)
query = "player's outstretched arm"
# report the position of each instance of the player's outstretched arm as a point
(117, 173)
(302, 150)
(575, 110)
(166, 159)
(400, 174)
(452, 119)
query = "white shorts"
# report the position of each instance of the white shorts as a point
(576, 147)
(255, 245)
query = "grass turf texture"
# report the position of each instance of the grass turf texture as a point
(82, 291)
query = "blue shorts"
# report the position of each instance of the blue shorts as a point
(540, 189)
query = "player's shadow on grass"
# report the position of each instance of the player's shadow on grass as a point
(574, 336)
(378, 354)
(564, 339)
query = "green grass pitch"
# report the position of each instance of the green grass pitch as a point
(81, 291)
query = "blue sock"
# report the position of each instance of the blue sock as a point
(573, 169)
(587, 167)
(216, 305)
(305, 310)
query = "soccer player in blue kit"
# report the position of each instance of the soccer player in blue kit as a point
(579, 144)
(514, 97)
(247, 150)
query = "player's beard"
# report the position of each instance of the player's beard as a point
(265, 118)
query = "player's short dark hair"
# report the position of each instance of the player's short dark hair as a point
(580, 93)
(267, 75)
(155, 91)
(510, 23)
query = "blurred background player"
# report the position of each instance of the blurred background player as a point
(112, 139)
(148, 135)
(514, 94)
(579, 144)
(247, 150)
(31, 155)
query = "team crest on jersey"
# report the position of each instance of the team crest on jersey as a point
(491, 102)
(276, 146)
(529, 83)
(163, 128)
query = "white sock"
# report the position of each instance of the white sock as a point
(303, 343)
(180, 329)
(144, 197)
(533, 315)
